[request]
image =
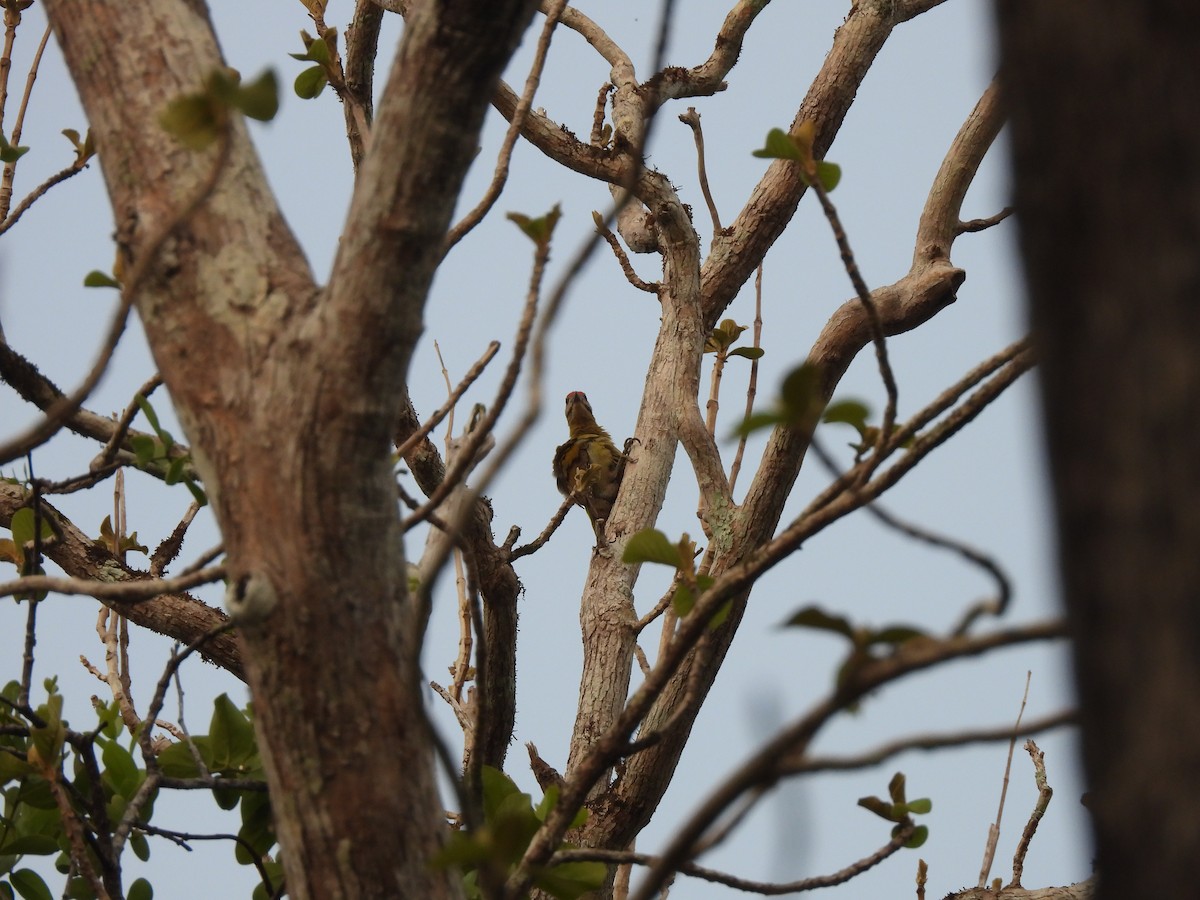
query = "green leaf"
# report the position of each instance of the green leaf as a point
(195, 120)
(800, 392)
(850, 412)
(723, 336)
(30, 845)
(232, 736)
(496, 788)
(22, 527)
(310, 83)
(748, 352)
(148, 411)
(568, 881)
(120, 771)
(539, 230)
(177, 761)
(651, 545)
(779, 145)
(9, 153)
(96, 278)
(197, 492)
(175, 470)
(881, 808)
(919, 836)
(139, 845)
(720, 615)
(829, 174)
(758, 421)
(260, 98)
(140, 890)
(145, 448)
(79, 888)
(817, 618)
(683, 600)
(920, 807)
(896, 788)
(29, 885)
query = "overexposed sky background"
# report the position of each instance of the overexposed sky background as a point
(986, 486)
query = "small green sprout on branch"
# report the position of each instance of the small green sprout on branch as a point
(900, 811)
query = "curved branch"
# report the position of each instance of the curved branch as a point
(176, 615)
(763, 767)
(737, 250)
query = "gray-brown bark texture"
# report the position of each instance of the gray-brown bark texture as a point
(1104, 100)
(290, 392)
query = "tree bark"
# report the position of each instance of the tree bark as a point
(1103, 99)
(290, 393)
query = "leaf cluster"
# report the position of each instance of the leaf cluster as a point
(724, 336)
(651, 545)
(510, 821)
(156, 451)
(35, 758)
(40, 757)
(196, 120)
(900, 811)
(310, 83)
(19, 549)
(797, 146)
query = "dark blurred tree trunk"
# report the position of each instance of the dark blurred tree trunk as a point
(1105, 103)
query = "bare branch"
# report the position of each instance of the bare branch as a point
(473, 373)
(873, 320)
(538, 542)
(809, 764)
(691, 118)
(1045, 792)
(762, 767)
(554, 10)
(974, 225)
(40, 191)
(61, 410)
(126, 592)
(766, 888)
(650, 287)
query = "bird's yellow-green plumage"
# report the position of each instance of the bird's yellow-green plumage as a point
(588, 466)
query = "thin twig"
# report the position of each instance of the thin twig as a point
(752, 384)
(538, 542)
(995, 606)
(873, 319)
(203, 559)
(1045, 792)
(973, 225)
(12, 18)
(691, 118)
(765, 888)
(108, 454)
(516, 123)
(456, 471)
(67, 405)
(989, 852)
(181, 837)
(446, 408)
(125, 591)
(40, 191)
(871, 758)
(650, 287)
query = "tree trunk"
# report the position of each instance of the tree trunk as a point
(290, 393)
(1104, 99)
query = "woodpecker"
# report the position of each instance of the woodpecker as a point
(588, 467)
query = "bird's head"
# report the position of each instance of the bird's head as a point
(577, 398)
